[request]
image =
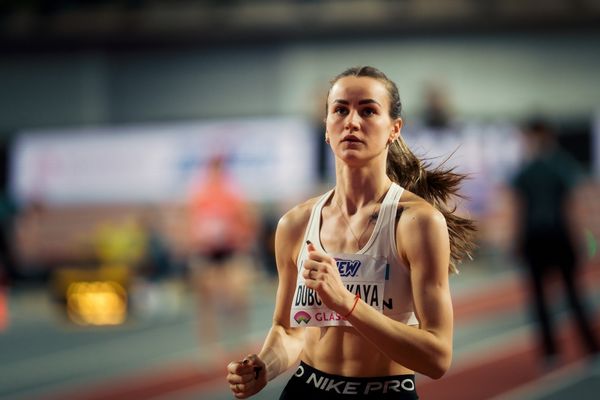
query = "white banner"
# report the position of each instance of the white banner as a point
(271, 159)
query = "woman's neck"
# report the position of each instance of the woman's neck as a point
(359, 187)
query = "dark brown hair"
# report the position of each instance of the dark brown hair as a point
(438, 186)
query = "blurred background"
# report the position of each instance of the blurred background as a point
(149, 147)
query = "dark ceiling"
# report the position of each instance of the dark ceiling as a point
(34, 25)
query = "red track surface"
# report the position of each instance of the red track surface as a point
(503, 368)
(496, 371)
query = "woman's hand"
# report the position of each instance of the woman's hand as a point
(247, 377)
(321, 274)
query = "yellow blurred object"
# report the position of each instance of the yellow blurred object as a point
(97, 303)
(122, 242)
(95, 296)
(63, 277)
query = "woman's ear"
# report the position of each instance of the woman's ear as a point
(395, 131)
(397, 127)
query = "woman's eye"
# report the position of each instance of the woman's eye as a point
(368, 112)
(341, 111)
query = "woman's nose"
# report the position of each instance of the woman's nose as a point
(352, 122)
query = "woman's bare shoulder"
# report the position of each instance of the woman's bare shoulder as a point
(294, 221)
(421, 231)
(417, 212)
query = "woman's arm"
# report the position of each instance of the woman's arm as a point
(283, 344)
(422, 240)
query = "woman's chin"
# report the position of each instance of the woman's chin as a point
(352, 157)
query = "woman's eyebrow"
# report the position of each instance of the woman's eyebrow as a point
(368, 101)
(361, 102)
(340, 101)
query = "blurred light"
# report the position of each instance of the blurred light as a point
(96, 303)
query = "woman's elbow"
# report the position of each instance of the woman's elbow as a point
(439, 366)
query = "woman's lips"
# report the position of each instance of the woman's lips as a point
(352, 139)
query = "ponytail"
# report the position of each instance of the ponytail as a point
(437, 186)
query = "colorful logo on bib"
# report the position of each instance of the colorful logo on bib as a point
(347, 267)
(302, 316)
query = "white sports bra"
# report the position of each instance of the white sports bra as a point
(375, 272)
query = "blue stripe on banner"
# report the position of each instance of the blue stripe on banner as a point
(387, 272)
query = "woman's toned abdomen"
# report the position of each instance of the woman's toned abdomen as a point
(342, 351)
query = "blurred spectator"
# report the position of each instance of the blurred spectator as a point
(437, 111)
(8, 211)
(316, 117)
(544, 187)
(158, 258)
(8, 265)
(223, 232)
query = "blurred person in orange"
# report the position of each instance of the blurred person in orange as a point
(363, 299)
(546, 238)
(223, 231)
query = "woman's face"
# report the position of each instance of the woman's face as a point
(358, 123)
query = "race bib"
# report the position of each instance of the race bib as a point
(362, 274)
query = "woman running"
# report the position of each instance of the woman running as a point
(363, 299)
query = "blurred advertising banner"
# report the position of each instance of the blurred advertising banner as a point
(272, 159)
